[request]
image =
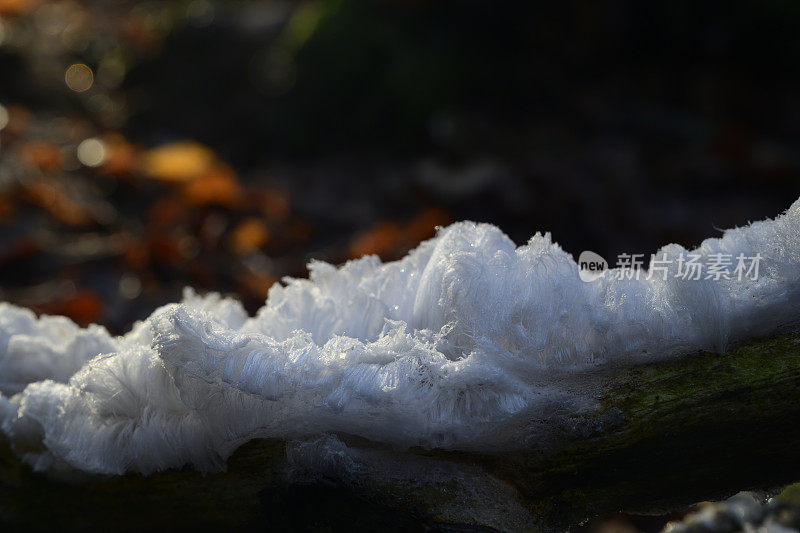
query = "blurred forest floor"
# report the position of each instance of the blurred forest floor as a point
(145, 146)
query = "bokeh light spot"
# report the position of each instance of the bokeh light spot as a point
(79, 77)
(130, 286)
(92, 152)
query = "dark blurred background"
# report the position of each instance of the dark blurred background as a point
(150, 145)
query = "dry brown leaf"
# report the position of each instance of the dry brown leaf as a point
(167, 212)
(217, 186)
(166, 249)
(49, 196)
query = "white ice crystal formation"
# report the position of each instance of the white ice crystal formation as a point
(467, 343)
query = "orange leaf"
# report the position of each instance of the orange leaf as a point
(178, 162)
(249, 236)
(122, 158)
(218, 186)
(16, 8)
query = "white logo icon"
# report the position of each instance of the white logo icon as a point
(591, 266)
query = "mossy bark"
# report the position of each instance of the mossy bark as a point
(698, 427)
(693, 428)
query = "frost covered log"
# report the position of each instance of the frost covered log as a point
(676, 432)
(473, 380)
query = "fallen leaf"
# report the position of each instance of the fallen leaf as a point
(167, 212)
(178, 162)
(249, 236)
(122, 158)
(166, 249)
(217, 186)
(16, 8)
(49, 196)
